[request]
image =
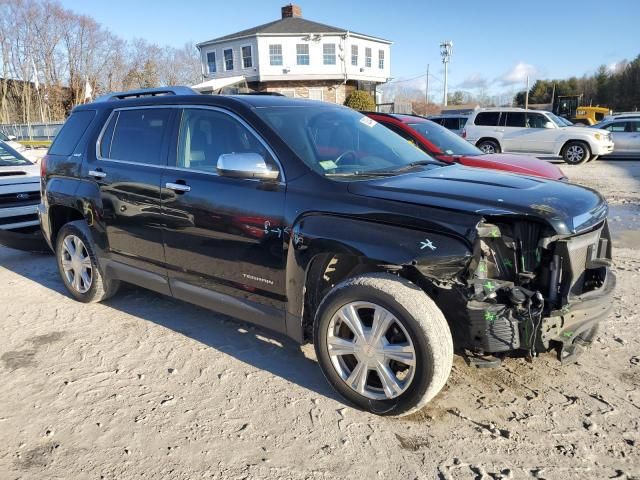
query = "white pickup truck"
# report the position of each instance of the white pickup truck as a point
(495, 130)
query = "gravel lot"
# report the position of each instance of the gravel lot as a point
(147, 387)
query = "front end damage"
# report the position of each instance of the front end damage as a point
(529, 290)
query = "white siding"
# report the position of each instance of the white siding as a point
(236, 46)
(289, 70)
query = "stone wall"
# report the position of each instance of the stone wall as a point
(334, 92)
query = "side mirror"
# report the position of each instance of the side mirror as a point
(11, 137)
(549, 124)
(245, 165)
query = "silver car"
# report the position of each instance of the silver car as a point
(626, 135)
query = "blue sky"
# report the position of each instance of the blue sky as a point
(496, 42)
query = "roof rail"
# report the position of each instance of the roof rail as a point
(146, 92)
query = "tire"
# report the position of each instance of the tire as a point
(576, 153)
(489, 146)
(72, 239)
(415, 326)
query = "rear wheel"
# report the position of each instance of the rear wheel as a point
(78, 266)
(383, 344)
(576, 153)
(489, 146)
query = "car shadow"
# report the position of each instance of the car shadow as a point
(252, 345)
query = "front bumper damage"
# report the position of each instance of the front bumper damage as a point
(530, 291)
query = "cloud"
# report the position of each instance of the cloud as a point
(616, 66)
(475, 80)
(518, 74)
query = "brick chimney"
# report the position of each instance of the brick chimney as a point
(291, 10)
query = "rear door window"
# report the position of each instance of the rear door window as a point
(487, 118)
(136, 135)
(515, 119)
(71, 132)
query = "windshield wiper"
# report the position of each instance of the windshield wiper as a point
(378, 173)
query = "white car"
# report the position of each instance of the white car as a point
(495, 130)
(19, 199)
(11, 141)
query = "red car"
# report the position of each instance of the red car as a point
(448, 147)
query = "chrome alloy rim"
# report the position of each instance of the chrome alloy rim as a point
(371, 350)
(76, 264)
(488, 148)
(575, 153)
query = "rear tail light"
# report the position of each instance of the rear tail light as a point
(43, 166)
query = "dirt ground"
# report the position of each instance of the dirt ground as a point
(147, 387)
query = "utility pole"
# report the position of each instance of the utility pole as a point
(526, 95)
(446, 48)
(426, 93)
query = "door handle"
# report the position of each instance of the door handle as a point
(178, 187)
(97, 173)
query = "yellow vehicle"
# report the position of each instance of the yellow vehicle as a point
(590, 115)
(571, 108)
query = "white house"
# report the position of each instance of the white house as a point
(298, 58)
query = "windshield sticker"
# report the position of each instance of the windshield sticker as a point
(369, 122)
(328, 164)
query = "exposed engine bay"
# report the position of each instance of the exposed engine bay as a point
(529, 290)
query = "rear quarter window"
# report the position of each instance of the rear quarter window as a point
(71, 132)
(487, 118)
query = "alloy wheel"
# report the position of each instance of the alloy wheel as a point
(371, 350)
(76, 264)
(575, 153)
(488, 148)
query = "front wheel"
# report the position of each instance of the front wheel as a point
(576, 153)
(383, 344)
(489, 146)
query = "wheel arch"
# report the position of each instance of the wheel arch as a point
(565, 143)
(492, 139)
(326, 250)
(60, 215)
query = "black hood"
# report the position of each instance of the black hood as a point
(567, 208)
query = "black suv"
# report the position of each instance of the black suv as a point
(315, 221)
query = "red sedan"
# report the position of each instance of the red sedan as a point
(448, 147)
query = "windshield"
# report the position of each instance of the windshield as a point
(444, 139)
(10, 158)
(559, 121)
(340, 141)
(3, 137)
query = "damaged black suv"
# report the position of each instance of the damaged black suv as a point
(315, 221)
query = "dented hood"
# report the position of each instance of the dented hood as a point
(567, 208)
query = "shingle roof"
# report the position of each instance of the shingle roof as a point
(288, 25)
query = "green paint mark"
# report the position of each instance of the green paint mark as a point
(538, 255)
(567, 334)
(508, 263)
(495, 233)
(482, 268)
(489, 286)
(522, 262)
(489, 316)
